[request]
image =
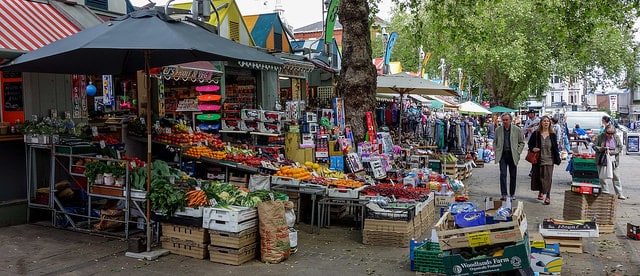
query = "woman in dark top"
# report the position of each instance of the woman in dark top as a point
(545, 141)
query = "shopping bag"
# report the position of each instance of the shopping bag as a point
(609, 167)
(602, 160)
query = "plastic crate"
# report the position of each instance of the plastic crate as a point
(585, 174)
(428, 258)
(396, 213)
(580, 164)
(586, 180)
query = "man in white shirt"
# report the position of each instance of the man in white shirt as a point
(531, 124)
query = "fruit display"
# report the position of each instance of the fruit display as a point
(297, 173)
(347, 183)
(398, 191)
(183, 139)
(199, 151)
(449, 158)
(179, 129)
(320, 180)
(108, 140)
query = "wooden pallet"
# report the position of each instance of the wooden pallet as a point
(567, 244)
(606, 228)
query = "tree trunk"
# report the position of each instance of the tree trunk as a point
(357, 83)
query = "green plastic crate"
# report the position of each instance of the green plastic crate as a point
(428, 258)
(580, 164)
(586, 180)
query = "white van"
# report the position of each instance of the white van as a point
(590, 121)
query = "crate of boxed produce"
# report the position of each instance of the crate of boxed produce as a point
(185, 247)
(487, 259)
(450, 237)
(343, 192)
(190, 233)
(231, 219)
(234, 240)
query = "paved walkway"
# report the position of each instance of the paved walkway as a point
(37, 250)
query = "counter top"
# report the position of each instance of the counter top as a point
(11, 137)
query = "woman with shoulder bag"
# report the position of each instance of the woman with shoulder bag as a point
(608, 143)
(544, 141)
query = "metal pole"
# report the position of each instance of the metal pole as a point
(148, 88)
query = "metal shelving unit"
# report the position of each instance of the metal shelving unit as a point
(61, 166)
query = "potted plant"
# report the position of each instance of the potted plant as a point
(94, 170)
(118, 170)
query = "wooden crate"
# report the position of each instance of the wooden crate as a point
(581, 206)
(567, 244)
(185, 248)
(503, 232)
(372, 237)
(606, 228)
(388, 232)
(189, 233)
(234, 240)
(232, 256)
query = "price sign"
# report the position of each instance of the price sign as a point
(479, 238)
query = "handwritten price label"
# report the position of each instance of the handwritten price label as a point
(479, 239)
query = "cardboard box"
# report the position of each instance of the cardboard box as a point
(251, 114)
(581, 233)
(515, 256)
(332, 149)
(182, 232)
(546, 264)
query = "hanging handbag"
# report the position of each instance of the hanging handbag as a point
(602, 160)
(532, 157)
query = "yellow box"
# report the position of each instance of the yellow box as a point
(332, 147)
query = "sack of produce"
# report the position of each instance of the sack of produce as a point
(274, 232)
(110, 220)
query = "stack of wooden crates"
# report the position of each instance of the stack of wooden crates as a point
(233, 233)
(185, 240)
(400, 232)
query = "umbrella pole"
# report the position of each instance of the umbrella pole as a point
(148, 110)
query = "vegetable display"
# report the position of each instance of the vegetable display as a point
(166, 197)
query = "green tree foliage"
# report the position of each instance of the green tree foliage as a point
(512, 47)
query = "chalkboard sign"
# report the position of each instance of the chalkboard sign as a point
(12, 96)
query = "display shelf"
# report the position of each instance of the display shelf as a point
(75, 214)
(232, 131)
(267, 134)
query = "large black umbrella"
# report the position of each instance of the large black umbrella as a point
(136, 41)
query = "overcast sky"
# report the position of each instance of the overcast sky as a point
(298, 13)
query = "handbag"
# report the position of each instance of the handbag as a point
(602, 160)
(532, 157)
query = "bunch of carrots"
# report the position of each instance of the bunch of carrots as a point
(196, 198)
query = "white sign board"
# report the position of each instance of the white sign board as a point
(613, 102)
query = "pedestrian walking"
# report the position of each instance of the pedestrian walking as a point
(545, 141)
(607, 142)
(508, 146)
(491, 130)
(530, 125)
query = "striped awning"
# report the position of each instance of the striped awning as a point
(28, 25)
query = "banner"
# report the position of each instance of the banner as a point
(332, 14)
(392, 40)
(107, 90)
